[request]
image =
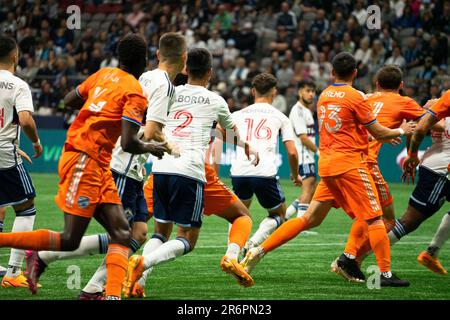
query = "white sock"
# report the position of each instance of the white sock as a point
(233, 251)
(266, 227)
(98, 280)
(150, 246)
(292, 209)
(21, 224)
(441, 236)
(89, 245)
(393, 238)
(168, 251)
(302, 208)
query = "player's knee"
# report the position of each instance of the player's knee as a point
(189, 244)
(25, 210)
(24, 206)
(69, 242)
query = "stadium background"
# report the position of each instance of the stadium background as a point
(294, 41)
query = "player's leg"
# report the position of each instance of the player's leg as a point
(429, 258)
(2, 219)
(271, 197)
(301, 204)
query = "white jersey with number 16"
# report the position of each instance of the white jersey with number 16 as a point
(260, 125)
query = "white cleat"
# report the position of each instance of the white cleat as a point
(252, 258)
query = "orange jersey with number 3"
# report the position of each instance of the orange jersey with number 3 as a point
(110, 95)
(390, 109)
(343, 112)
(441, 109)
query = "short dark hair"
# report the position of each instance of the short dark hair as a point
(7, 45)
(172, 46)
(306, 83)
(344, 64)
(389, 77)
(132, 52)
(199, 62)
(263, 83)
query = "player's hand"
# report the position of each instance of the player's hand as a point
(25, 156)
(157, 148)
(409, 169)
(408, 127)
(395, 142)
(430, 103)
(249, 152)
(174, 149)
(297, 181)
(38, 149)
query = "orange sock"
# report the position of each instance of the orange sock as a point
(37, 240)
(116, 269)
(379, 242)
(363, 248)
(357, 235)
(240, 231)
(284, 233)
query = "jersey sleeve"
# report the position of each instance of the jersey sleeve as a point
(287, 132)
(224, 116)
(364, 112)
(83, 89)
(23, 99)
(134, 108)
(441, 108)
(412, 111)
(298, 122)
(159, 101)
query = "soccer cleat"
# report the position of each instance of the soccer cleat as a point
(247, 246)
(232, 267)
(2, 271)
(348, 269)
(134, 272)
(431, 263)
(90, 296)
(138, 291)
(392, 281)
(252, 258)
(20, 281)
(35, 267)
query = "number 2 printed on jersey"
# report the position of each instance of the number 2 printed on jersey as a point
(180, 130)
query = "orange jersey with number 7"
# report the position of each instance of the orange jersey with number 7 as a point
(343, 112)
(441, 108)
(390, 109)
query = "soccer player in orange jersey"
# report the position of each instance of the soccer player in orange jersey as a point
(112, 104)
(390, 109)
(345, 119)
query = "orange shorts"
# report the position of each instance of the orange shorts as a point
(354, 191)
(384, 195)
(218, 196)
(84, 184)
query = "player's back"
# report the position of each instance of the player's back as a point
(15, 96)
(343, 112)
(390, 109)
(111, 95)
(260, 125)
(189, 127)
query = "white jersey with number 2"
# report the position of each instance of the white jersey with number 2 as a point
(260, 125)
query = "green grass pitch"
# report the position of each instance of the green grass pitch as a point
(298, 270)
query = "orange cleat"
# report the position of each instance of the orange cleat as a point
(431, 263)
(19, 281)
(233, 267)
(138, 291)
(134, 273)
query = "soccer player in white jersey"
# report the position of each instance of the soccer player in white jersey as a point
(262, 123)
(128, 169)
(178, 192)
(16, 187)
(302, 121)
(429, 195)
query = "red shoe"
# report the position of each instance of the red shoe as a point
(35, 267)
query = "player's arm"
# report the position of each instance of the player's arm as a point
(132, 144)
(307, 142)
(235, 138)
(74, 100)
(383, 133)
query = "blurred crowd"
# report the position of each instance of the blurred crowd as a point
(294, 40)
